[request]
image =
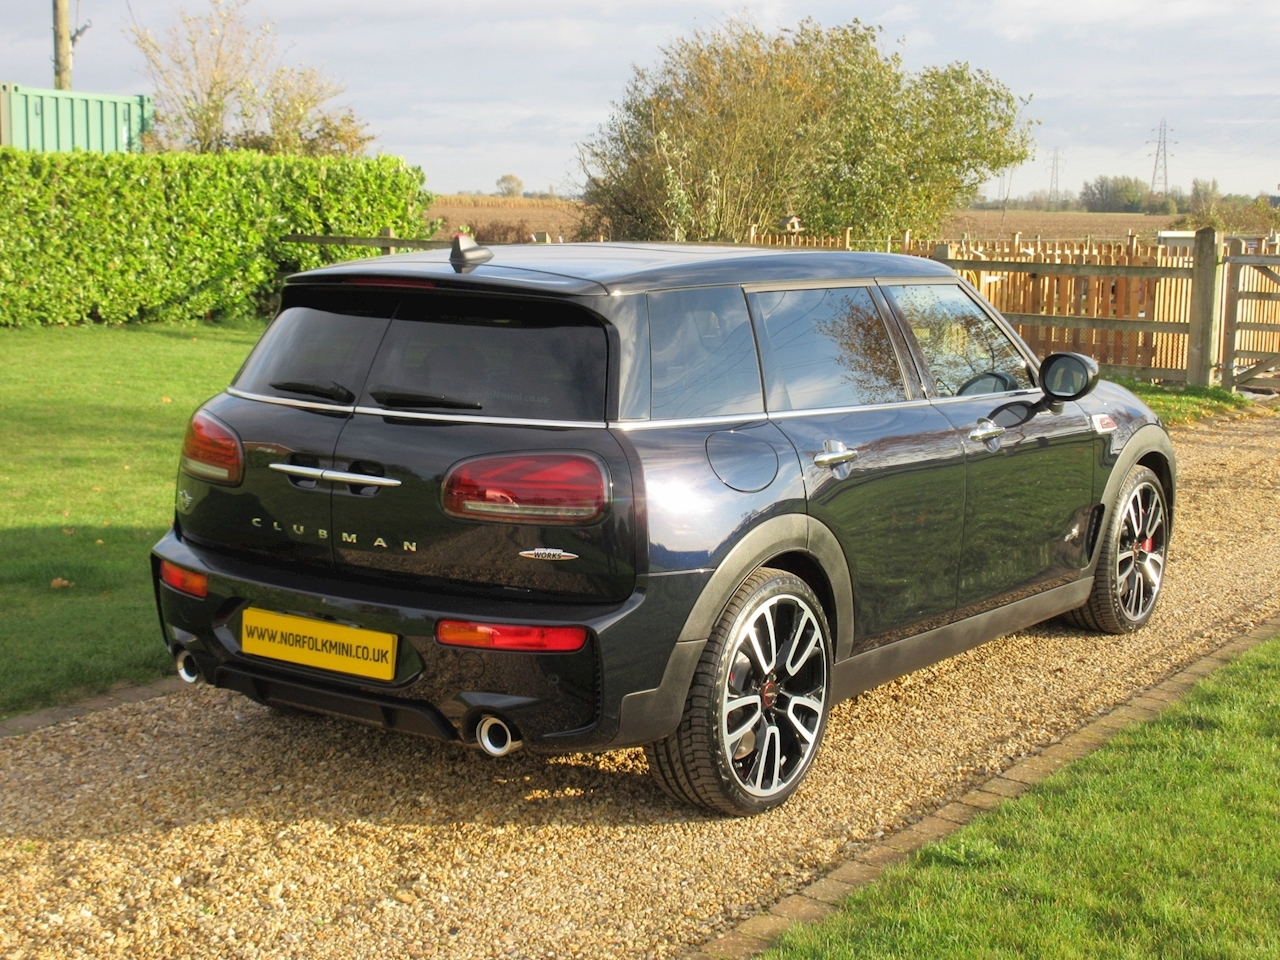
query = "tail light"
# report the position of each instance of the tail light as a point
(184, 581)
(211, 450)
(534, 488)
(506, 636)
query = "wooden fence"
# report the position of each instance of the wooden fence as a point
(1141, 310)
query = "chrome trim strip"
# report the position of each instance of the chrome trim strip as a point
(1023, 391)
(464, 418)
(782, 286)
(285, 402)
(337, 476)
(858, 408)
(629, 425)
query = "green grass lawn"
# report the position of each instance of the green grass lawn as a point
(1164, 843)
(91, 420)
(1183, 404)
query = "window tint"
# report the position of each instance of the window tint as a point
(703, 353)
(965, 351)
(827, 348)
(318, 353)
(491, 358)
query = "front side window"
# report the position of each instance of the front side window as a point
(703, 354)
(827, 348)
(966, 352)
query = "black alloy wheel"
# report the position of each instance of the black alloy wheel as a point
(1131, 563)
(757, 708)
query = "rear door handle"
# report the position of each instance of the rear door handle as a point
(338, 476)
(986, 430)
(833, 454)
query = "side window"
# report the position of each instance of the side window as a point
(967, 353)
(827, 348)
(703, 354)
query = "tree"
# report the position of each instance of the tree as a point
(219, 86)
(736, 127)
(509, 185)
(1115, 195)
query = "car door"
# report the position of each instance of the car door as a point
(883, 467)
(1029, 463)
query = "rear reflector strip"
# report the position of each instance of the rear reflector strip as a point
(533, 488)
(507, 636)
(184, 581)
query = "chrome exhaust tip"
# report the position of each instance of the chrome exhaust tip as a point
(188, 669)
(495, 737)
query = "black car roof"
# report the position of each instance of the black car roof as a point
(596, 269)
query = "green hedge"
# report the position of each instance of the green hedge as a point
(121, 237)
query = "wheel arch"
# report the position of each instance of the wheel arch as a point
(1149, 447)
(793, 542)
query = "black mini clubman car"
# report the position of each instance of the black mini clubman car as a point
(584, 497)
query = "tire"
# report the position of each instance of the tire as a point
(1130, 571)
(780, 679)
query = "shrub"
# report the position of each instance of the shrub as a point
(124, 237)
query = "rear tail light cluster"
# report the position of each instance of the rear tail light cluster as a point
(533, 488)
(507, 636)
(211, 450)
(184, 581)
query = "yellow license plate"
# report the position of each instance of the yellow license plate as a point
(318, 643)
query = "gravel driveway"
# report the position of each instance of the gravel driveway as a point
(202, 825)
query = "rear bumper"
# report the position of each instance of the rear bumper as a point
(626, 686)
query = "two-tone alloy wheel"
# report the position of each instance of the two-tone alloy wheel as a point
(1131, 563)
(758, 704)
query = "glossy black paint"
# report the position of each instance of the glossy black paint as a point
(1028, 496)
(898, 544)
(404, 532)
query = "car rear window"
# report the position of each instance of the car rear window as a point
(491, 357)
(318, 350)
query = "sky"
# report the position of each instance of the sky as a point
(473, 90)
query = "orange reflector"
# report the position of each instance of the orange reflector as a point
(506, 636)
(184, 581)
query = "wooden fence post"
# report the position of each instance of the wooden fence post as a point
(1230, 315)
(1205, 320)
(387, 232)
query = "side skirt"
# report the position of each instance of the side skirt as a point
(874, 667)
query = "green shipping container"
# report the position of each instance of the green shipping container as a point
(50, 121)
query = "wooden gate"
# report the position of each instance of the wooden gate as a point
(1251, 321)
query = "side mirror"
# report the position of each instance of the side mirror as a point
(1068, 376)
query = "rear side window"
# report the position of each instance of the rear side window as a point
(703, 354)
(491, 357)
(318, 351)
(965, 350)
(827, 348)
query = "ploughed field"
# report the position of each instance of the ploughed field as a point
(202, 825)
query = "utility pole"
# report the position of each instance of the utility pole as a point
(62, 44)
(1053, 181)
(1160, 172)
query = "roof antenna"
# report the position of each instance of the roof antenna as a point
(466, 254)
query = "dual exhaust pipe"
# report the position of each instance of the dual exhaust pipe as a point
(493, 734)
(188, 669)
(495, 737)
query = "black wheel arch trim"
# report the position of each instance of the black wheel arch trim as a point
(790, 533)
(650, 715)
(1146, 440)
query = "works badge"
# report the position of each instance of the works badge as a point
(548, 553)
